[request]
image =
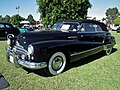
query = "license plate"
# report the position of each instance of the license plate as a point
(11, 59)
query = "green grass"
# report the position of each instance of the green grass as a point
(97, 72)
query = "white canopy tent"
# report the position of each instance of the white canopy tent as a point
(24, 22)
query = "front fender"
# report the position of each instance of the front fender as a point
(43, 49)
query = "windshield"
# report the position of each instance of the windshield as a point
(65, 26)
(57, 26)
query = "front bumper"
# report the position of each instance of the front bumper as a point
(14, 58)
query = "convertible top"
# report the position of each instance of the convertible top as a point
(103, 26)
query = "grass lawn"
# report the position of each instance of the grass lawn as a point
(97, 72)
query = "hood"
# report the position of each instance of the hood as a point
(28, 38)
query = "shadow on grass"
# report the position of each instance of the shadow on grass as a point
(78, 63)
(88, 59)
(39, 72)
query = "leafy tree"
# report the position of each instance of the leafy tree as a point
(117, 20)
(103, 19)
(111, 14)
(7, 18)
(16, 19)
(31, 19)
(1, 18)
(54, 10)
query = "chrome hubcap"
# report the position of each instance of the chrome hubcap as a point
(108, 51)
(57, 63)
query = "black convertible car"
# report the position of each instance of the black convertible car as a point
(53, 49)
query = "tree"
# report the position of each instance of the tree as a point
(1, 18)
(117, 20)
(7, 18)
(16, 19)
(111, 14)
(31, 19)
(54, 10)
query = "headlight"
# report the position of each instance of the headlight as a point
(30, 49)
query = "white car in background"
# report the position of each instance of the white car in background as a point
(114, 28)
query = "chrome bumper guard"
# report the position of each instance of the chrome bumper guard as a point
(19, 62)
(32, 65)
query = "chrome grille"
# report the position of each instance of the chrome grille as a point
(21, 53)
(20, 50)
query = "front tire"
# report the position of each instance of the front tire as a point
(57, 63)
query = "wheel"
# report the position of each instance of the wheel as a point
(108, 51)
(10, 36)
(57, 63)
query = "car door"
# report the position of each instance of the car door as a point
(94, 33)
(2, 31)
(90, 36)
(9, 29)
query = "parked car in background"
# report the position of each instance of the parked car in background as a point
(27, 28)
(23, 28)
(8, 29)
(118, 30)
(114, 28)
(54, 49)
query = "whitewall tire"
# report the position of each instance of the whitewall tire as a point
(57, 63)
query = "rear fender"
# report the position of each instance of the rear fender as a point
(110, 39)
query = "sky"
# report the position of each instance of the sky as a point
(99, 7)
(8, 7)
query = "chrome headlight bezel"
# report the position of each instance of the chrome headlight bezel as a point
(30, 49)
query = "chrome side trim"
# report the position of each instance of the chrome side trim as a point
(88, 50)
(100, 48)
(32, 65)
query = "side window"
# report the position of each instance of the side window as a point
(8, 26)
(57, 26)
(2, 26)
(69, 27)
(99, 28)
(91, 27)
(73, 26)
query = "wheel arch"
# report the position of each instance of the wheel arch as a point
(60, 49)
